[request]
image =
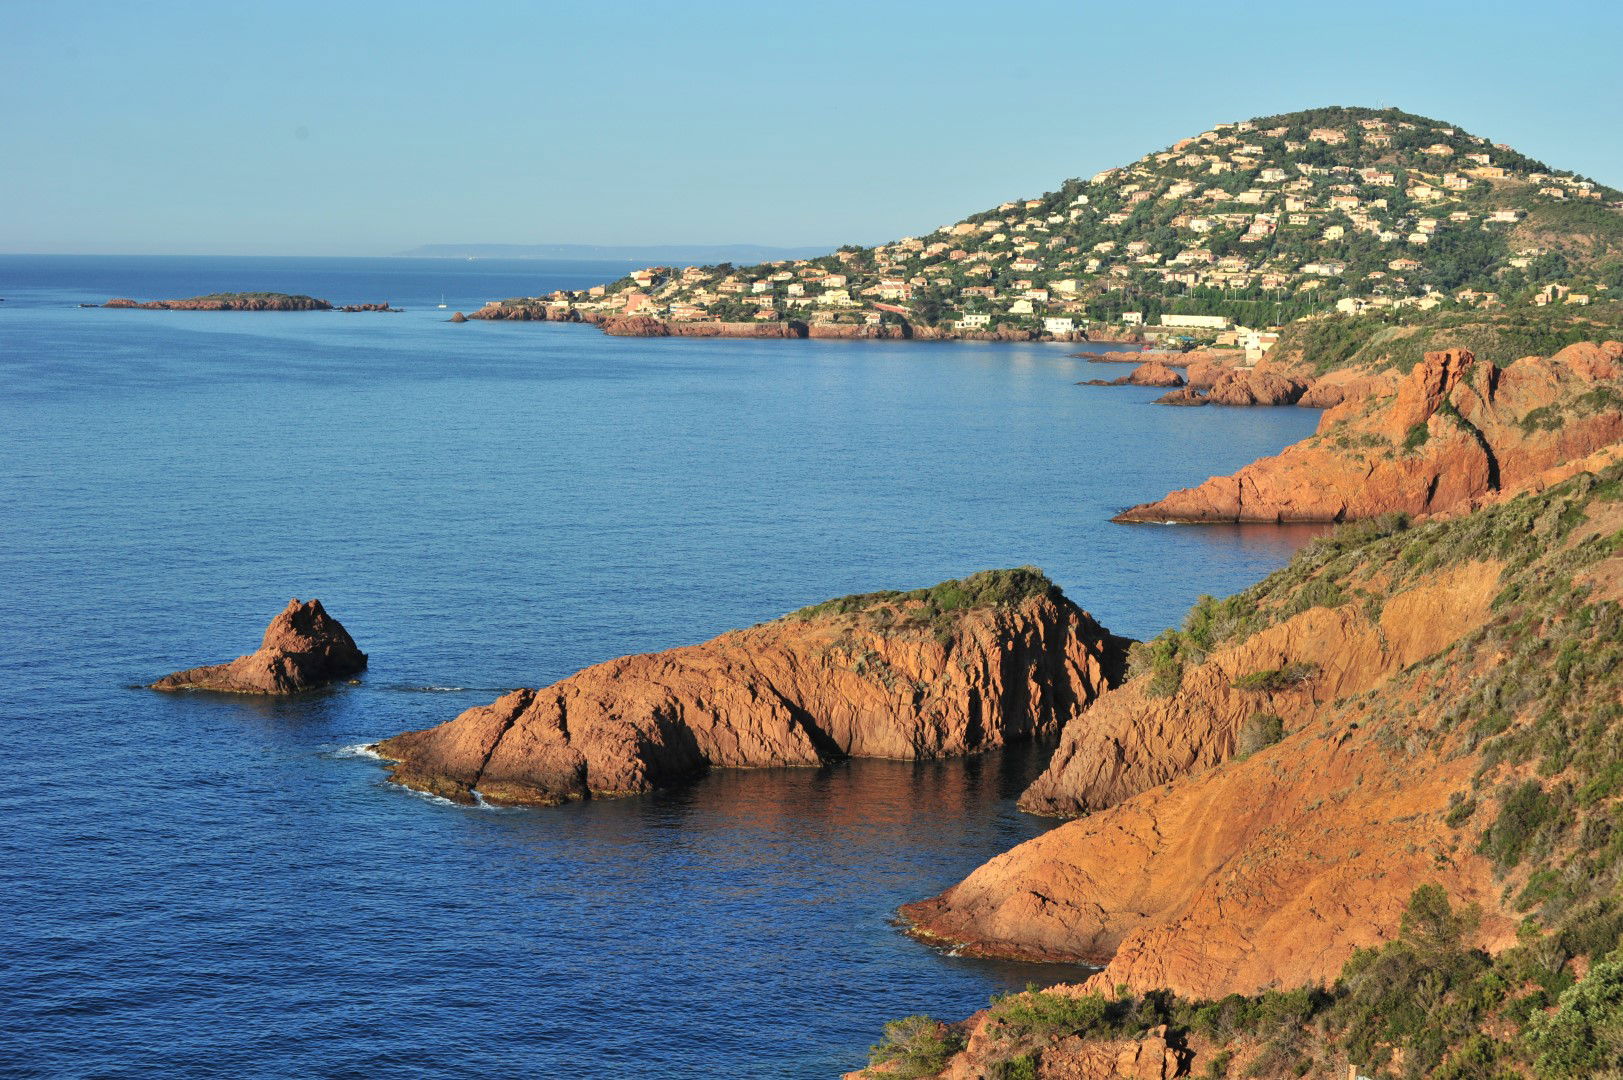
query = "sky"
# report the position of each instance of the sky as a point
(365, 129)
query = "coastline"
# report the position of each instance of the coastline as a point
(621, 325)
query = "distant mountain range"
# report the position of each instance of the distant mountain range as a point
(700, 254)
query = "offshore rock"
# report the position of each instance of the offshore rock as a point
(963, 667)
(303, 648)
(1150, 374)
(229, 302)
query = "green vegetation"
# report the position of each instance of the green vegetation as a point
(1273, 680)
(916, 1046)
(1542, 711)
(1584, 1035)
(1260, 730)
(1327, 343)
(987, 589)
(1262, 222)
(257, 296)
(1425, 1006)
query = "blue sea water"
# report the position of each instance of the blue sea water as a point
(198, 886)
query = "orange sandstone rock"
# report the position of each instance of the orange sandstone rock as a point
(1453, 434)
(875, 676)
(303, 647)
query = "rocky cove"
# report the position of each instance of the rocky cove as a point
(1247, 814)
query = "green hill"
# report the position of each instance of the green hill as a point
(1261, 221)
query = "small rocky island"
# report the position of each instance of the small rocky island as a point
(304, 648)
(246, 301)
(965, 666)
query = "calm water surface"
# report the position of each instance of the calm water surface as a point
(197, 886)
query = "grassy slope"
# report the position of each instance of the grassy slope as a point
(1321, 345)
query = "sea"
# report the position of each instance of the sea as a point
(198, 886)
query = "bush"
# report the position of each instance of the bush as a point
(1583, 1037)
(1276, 679)
(1525, 811)
(916, 1046)
(1039, 1014)
(1161, 660)
(1416, 438)
(1259, 731)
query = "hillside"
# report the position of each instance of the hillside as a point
(1253, 224)
(1363, 814)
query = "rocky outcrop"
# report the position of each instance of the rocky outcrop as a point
(1135, 739)
(963, 667)
(458, 317)
(1184, 395)
(369, 307)
(230, 302)
(1155, 1054)
(1206, 872)
(303, 648)
(526, 311)
(1209, 384)
(1254, 387)
(1270, 802)
(1150, 374)
(1453, 434)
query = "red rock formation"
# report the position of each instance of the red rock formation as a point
(635, 326)
(458, 317)
(1256, 387)
(1150, 374)
(527, 311)
(1454, 434)
(1209, 874)
(303, 647)
(1184, 395)
(1153, 1056)
(889, 675)
(1132, 740)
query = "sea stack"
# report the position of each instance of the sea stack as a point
(304, 648)
(965, 666)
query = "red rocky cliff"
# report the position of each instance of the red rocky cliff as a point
(937, 672)
(1454, 434)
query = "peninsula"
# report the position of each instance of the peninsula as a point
(959, 668)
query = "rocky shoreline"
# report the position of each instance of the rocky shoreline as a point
(620, 325)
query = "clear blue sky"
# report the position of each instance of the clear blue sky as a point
(341, 128)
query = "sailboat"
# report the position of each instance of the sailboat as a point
(442, 301)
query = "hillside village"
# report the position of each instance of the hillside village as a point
(1222, 237)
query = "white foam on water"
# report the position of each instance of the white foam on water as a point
(437, 799)
(359, 750)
